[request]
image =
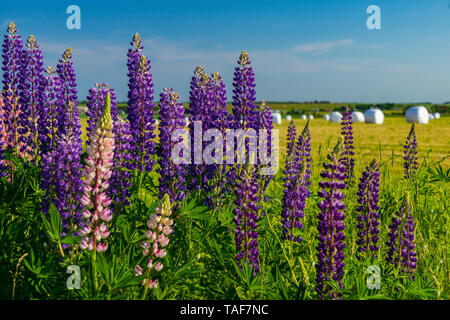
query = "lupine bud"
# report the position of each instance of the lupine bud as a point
(348, 152)
(410, 153)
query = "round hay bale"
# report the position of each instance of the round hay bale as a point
(276, 118)
(436, 115)
(288, 117)
(310, 117)
(417, 114)
(357, 116)
(303, 117)
(326, 117)
(335, 116)
(374, 116)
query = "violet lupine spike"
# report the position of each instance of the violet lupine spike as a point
(267, 125)
(330, 250)
(141, 109)
(50, 95)
(97, 172)
(200, 104)
(95, 102)
(69, 122)
(348, 153)
(120, 184)
(12, 60)
(296, 186)
(30, 78)
(245, 219)
(401, 244)
(2, 143)
(410, 153)
(160, 226)
(220, 120)
(172, 179)
(291, 137)
(368, 218)
(61, 179)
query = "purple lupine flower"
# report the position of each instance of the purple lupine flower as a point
(200, 105)
(51, 102)
(95, 103)
(172, 179)
(217, 185)
(120, 181)
(69, 119)
(330, 250)
(410, 153)
(97, 173)
(30, 78)
(244, 101)
(2, 157)
(401, 244)
(12, 60)
(348, 153)
(245, 218)
(267, 125)
(296, 183)
(141, 108)
(291, 137)
(61, 179)
(368, 218)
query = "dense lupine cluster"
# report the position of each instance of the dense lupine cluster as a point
(97, 172)
(157, 238)
(410, 153)
(40, 114)
(245, 218)
(348, 152)
(368, 218)
(296, 183)
(141, 107)
(172, 179)
(330, 250)
(401, 244)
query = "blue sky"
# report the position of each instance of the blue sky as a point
(300, 50)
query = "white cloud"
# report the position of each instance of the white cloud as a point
(322, 47)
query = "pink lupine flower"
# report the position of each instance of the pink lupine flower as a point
(159, 226)
(97, 171)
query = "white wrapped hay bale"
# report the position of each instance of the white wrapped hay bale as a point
(335, 116)
(357, 116)
(374, 116)
(310, 117)
(288, 117)
(436, 115)
(326, 117)
(417, 114)
(430, 116)
(276, 118)
(303, 117)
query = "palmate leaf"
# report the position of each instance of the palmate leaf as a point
(52, 224)
(115, 275)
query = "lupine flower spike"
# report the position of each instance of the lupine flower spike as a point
(348, 152)
(157, 238)
(410, 154)
(401, 244)
(368, 218)
(245, 218)
(330, 250)
(97, 172)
